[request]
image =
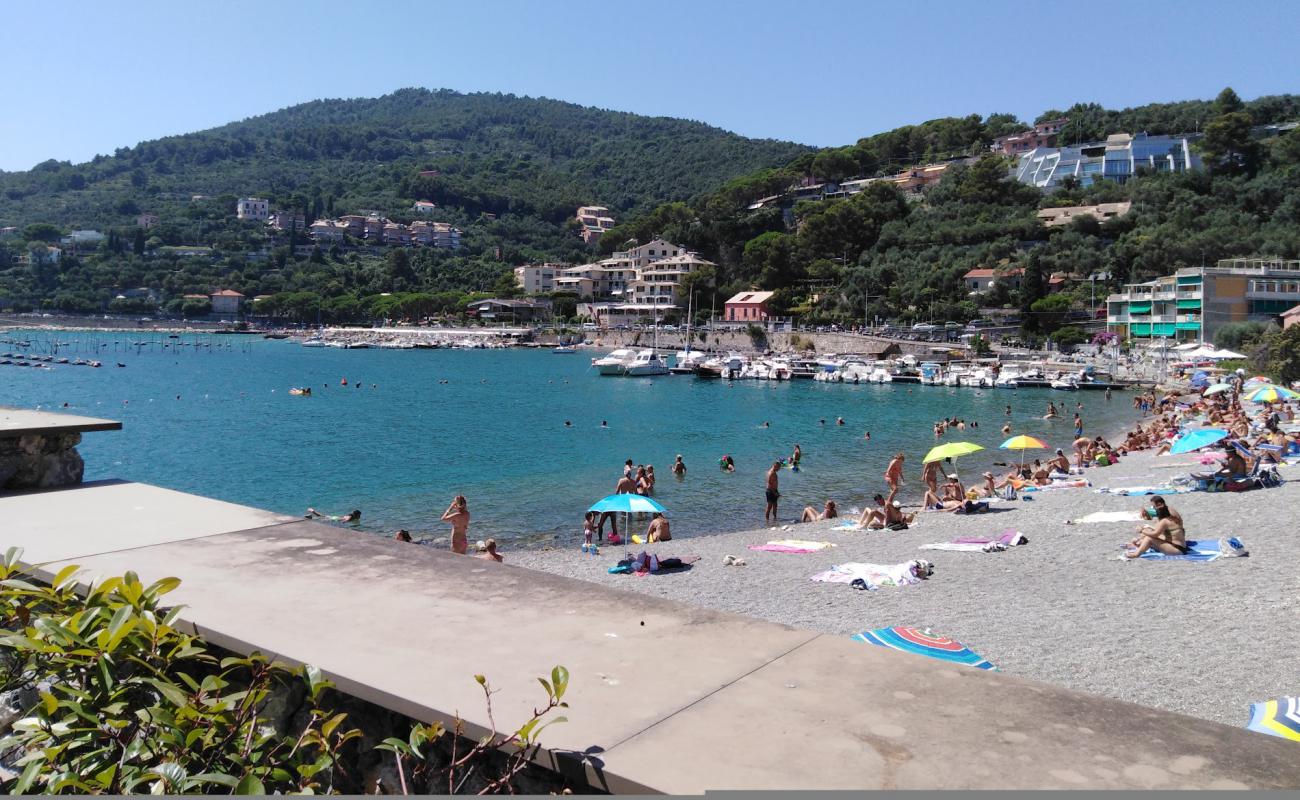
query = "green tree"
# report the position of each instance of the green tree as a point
(1227, 144)
(42, 232)
(1284, 354)
(137, 244)
(1068, 337)
(1046, 314)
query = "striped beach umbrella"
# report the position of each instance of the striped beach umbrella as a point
(1272, 394)
(1023, 443)
(924, 643)
(1280, 717)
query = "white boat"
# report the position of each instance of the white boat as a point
(613, 363)
(977, 378)
(564, 349)
(314, 343)
(778, 369)
(1007, 378)
(1066, 383)
(855, 371)
(644, 364)
(955, 375)
(881, 375)
(931, 374)
(688, 359)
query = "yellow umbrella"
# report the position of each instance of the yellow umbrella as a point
(950, 450)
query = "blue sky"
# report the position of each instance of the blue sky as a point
(86, 77)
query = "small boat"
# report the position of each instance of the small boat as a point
(613, 363)
(314, 343)
(881, 375)
(564, 348)
(645, 364)
(1066, 383)
(931, 374)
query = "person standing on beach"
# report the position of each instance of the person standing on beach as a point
(773, 495)
(930, 476)
(894, 472)
(457, 514)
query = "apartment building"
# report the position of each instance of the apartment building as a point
(595, 220)
(1054, 217)
(538, 278)
(1117, 159)
(1193, 303)
(254, 208)
(643, 281)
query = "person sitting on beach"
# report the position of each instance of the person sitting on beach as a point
(1167, 535)
(953, 490)
(1059, 463)
(658, 530)
(810, 514)
(873, 518)
(1234, 466)
(457, 514)
(489, 551)
(352, 516)
(1042, 475)
(990, 487)
(679, 469)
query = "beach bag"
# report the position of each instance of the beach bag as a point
(1270, 478)
(897, 526)
(1232, 547)
(1008, 492)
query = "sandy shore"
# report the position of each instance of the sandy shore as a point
(1201, 639)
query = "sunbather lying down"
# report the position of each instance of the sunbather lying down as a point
(1166, 535)
(963, 506)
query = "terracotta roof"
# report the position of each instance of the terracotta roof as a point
(982, 272)
(226, 293)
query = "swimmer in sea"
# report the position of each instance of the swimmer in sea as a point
(727, 463)
(352, 516)
(839, 420)
(1006, 428)
(679, 469)
(796, 457)
(568, 424)
(604, 424)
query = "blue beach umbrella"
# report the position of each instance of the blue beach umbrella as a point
(628, 504)
(1195, 440)
(924, 643)
(1280, 717)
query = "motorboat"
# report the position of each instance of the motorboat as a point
(955, 376)
(688, 360)
(645, 364)
(1007, 378)
(614, 362)
(1066, 383)
(564, 348)
(931, 374)
(779, 369)
(729, 366)
(855, 371)
(881, 375)
(977, 378)
(314, 343)
(803, 369)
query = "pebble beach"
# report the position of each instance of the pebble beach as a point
(1204, 639)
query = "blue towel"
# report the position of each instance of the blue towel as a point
(1203, 550)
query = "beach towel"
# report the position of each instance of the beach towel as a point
(1106, 516)
(1204, 551)
(1142, 491)
(875, 576)
(791, 546)
(846, 526)
(1074, 484)
(977, 544)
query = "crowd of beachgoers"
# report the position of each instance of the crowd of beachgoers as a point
(1015, 566)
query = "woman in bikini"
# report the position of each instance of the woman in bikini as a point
(1166, 535)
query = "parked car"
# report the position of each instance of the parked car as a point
(924, 326)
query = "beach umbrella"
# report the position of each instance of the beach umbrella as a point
(1280, 717)
(1195, 440)
(1225, 353)
(924, 643)
(1272, 394)
(628, 504)
(950, 450)
(1218, 388)
(1023, 443)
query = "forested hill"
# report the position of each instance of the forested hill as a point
(495, 153)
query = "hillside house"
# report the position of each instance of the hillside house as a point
(226, 302)
(748, 307)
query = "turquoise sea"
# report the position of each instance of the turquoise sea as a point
(212, 415)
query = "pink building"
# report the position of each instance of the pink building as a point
(748, 307)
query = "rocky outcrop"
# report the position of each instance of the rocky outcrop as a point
(40, 461)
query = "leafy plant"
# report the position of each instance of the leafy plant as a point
(129, 703)
(117, 699)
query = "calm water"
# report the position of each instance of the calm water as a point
(400, 447)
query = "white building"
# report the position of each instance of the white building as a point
(644, 281)
(424, 207)
(254, 208)
(538, 278)
(83, 240)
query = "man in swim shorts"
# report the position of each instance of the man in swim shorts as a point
(773, 495)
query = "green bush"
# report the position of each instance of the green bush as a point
(116, 699)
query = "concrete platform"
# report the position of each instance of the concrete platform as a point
(24, 421)
(664, 696)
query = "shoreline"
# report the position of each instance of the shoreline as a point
(1193, 638)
